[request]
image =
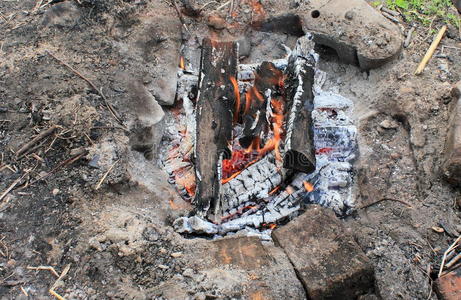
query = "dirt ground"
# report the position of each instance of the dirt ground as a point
(85, 199)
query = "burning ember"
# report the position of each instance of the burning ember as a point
(257, 145)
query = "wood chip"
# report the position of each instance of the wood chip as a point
(438, 229)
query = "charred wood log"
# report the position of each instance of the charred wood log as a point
(267, 82)
(254, 182)
(299, 141)
(214, 116)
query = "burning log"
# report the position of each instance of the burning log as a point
(214, 117)
(299, 141)
(268, 80)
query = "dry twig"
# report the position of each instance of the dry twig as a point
(106, 102)
(409, 37)
(449, 250)
(44, 268)
(35, 140)
(98, 186)
(24, 291)
(431, 50)
(176, 7)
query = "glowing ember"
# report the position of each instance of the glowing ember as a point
(240, 160)
(325, 150)
(275, 190)
(257, 7)
(308, 186)
(183, 177)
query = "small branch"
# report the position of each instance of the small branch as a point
(447, 252)
(409, 37)
(176, 7)
(35, 140)
(44, 268)
(106, 102)
(431, 50)
(385, 199)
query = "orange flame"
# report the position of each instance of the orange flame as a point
(237, 98)
(272, 226)
(182, 65)
(277, 123)
(308, 186)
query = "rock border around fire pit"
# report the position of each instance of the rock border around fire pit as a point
(356, 31)
(329, 263)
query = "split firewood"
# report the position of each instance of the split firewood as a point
(299, 141)
(431, 50)
(214, 118)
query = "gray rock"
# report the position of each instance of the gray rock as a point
(194, 224)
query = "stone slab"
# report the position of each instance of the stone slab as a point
(451, 166)
(328, 261)
(235, 267)
(245, 252)
(358, 33)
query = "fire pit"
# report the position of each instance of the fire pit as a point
(251, 144)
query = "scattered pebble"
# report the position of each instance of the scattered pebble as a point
(176, 254)
(188, 273)
(216, 22)
(389, 124)
(55, 192)
(163, 267)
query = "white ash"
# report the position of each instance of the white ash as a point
(246, 72)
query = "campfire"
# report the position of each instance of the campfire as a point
(250, 144)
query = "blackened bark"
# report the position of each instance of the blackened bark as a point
(214, 118)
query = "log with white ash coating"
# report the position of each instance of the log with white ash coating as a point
(299, 142)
